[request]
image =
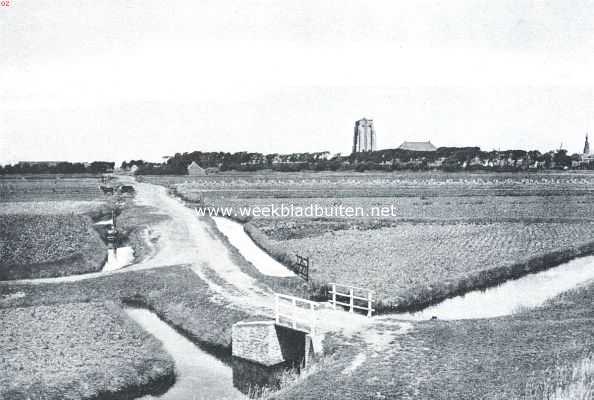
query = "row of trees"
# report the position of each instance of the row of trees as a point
(450, 158)
(461, 155)
(96, 167)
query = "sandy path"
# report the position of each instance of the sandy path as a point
(187, 239)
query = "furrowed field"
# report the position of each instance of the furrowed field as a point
(77, 350)
(46, 227)
(40, 246)
(49, 187)
(70, 338)
(544, 353)
(450, 233)
(406, 259)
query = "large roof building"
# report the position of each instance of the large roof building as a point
(417, 146)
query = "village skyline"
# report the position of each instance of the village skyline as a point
(420, 146)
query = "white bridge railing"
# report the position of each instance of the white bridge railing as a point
(296, 313)
(350, 295)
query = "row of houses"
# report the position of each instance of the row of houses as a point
(410, 154)
(442, 162)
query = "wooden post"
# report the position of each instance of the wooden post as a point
(352, 301)
(369, 303)
(276, 309)
(294, 313)
(334, 296)
(313, 318)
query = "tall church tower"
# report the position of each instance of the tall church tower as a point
(586, 146)
(364, 136)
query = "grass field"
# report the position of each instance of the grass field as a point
(122, 361)
(345, 185)
(413, 264)
(451, 232)
(46, 226)
(78, 350)
(440, 245)
(530, 355)
(484, 208)
(39, 246)
(49, 187)
(49, 233)
(175, 294)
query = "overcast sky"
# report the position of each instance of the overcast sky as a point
(107, 79)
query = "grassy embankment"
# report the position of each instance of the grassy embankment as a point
(411, 266)
(530, 355)
(41, 239)
(49, 187)
(46, 226)
(79, 350)
(512, 357)
(40, 246)
(492, 359)
(176, 294)
(34, 228)
(465, 236)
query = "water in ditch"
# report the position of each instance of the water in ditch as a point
(527, 292)
(118, 258)
(249, 250)
(200, 376)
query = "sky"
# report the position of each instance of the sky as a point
(113, 80)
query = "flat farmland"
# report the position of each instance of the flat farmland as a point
(543, 353)
(40, 246)
(418, 197)
(484, 208)
(49, 188)
(450, 232)
(46, 226)
(106, 355)
(401, 261)
(378, 184)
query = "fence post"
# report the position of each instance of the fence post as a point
(276, 309)
(369, 303)
(313, 318)
(352, 301)
(294, 313)
(334, 296)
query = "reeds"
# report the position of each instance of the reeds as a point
(563, 382)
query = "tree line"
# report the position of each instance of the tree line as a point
(450, 158)
(65, 167)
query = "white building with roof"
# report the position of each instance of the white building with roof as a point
(417, 146)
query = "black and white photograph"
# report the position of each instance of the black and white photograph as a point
(299, 199)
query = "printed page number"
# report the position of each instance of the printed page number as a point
(5, 3)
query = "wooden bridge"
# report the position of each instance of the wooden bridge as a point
(296, 313)
(352, 297)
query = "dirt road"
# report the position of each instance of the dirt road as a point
(184, 238)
